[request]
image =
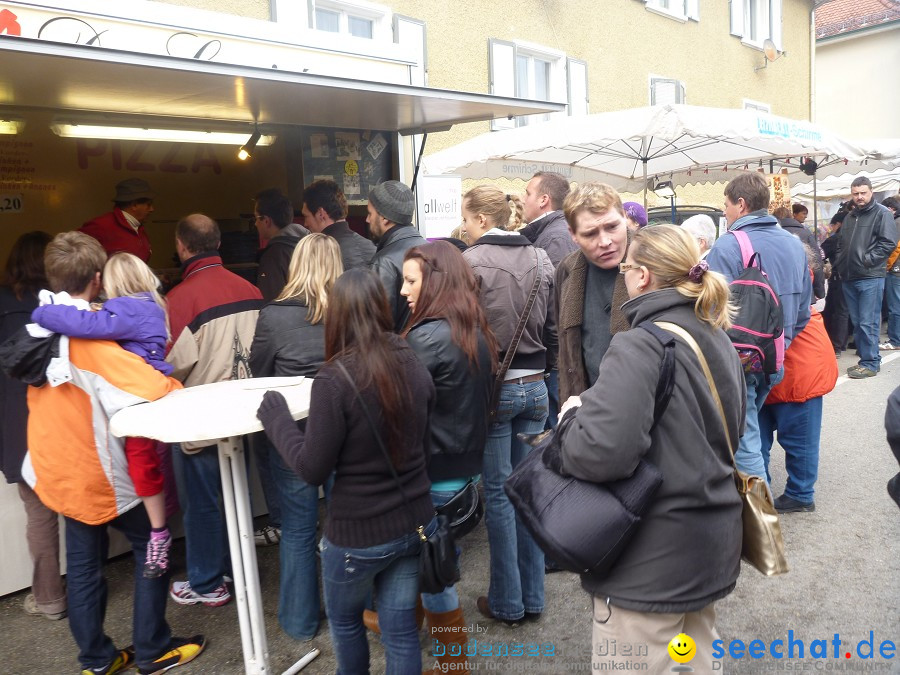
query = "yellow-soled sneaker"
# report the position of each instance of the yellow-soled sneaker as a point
(123, 661)
(181, 651)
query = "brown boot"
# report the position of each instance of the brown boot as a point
(446, 636)
(370, 618)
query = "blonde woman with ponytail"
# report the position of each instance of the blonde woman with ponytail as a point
(686, 554)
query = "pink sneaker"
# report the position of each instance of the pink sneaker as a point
(157, 561)
(183, 594)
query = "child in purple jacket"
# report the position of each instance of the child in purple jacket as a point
(135, 316)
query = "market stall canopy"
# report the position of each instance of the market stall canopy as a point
(37, 74)
(839, 186)
(679, 143)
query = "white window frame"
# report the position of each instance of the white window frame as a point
(503, 64)
(680, 10)
(759, 106)
(680, 91)
(379, 15)
(768, 16)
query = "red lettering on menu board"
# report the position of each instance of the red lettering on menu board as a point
(9, 23)
(204, 156)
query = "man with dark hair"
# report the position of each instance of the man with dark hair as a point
(783, 259)
(391, 206)
(77, 468)
(792, 225)
(325, 211)
(799, 212)
(547, 229)
(867, 238)
(274, 218)
(543, 203)
(212, 315)
(892, 283)
(122, 229)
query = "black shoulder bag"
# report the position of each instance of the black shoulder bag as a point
(584, 526)
(438, 559)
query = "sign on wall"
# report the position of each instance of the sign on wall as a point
(356, 160)
(439, 205)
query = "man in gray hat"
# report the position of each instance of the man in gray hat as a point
(391, 207)
(122, 229)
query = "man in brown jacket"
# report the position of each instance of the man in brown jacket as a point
(589, 289)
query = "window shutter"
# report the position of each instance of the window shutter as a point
(311, 13)
(579, 98)
(411, 33)
(692, 9)
(665, 90)
(737, 17)
(775, 29)
(502, 65)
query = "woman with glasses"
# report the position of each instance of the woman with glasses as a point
(686, 552)
(368, 421)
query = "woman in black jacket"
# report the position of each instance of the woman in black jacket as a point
(23, 278)
(368, 420)
(290, 340)
(449, 333)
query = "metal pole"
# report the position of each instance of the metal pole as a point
(418, 162)
(815, 211)
(644, 161)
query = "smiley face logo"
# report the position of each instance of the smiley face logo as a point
(682, 648)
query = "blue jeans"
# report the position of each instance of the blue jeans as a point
(517, 564)
(799, 427)
(204, 521)
(349, 576)
(864, 303)
(748, 456)
(262, 451)
(87, 547)
(551, 379)
(447, 600)
(892, 291)
(298, 596)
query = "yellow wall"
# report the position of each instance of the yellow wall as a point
(621, 46)
(856, 84)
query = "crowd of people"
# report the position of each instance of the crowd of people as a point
(430, 360)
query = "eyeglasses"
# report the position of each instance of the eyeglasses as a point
(624, 267)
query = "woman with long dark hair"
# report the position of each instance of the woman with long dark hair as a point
(370, 543)
(22, 279)
(449, 332)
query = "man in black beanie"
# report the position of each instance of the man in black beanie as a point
(391, 206)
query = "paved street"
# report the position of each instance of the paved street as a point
(844, 579)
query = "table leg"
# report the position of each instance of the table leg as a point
(236, 498)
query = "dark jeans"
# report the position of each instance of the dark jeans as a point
(262, 450)
(836, 316)
(87, 547)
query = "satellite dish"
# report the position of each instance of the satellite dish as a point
(770, 50)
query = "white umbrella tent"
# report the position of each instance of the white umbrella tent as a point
(679, 143)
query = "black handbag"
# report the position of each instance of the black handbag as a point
(438, 558)
(584, 526)
(464, 510)
(26, 358)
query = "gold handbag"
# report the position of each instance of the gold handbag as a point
(763, 545)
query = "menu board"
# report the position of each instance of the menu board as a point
(779, 191)
(356, 160)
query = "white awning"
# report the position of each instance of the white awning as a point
(37, 74)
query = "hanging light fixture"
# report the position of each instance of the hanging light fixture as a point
(247, 148)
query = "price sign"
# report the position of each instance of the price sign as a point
(11, 203)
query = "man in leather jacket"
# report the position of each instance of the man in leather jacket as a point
(391, 206)
(867, 238)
